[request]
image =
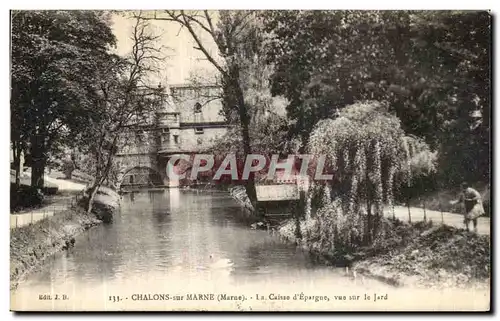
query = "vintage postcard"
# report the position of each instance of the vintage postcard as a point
(194, 160)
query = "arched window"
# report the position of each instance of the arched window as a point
(197, 108)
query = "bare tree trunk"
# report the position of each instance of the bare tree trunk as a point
(91, 194)
(37, 171)
(247, 149)
(425, 213)
(235, 93)
(368, 211)
(440, 204)
(16, 151)
(409, 212)
(299, 212)
(38, 161)
(101, 176)
(92, 191)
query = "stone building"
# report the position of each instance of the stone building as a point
(187, 121)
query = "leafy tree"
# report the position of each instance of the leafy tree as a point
(431, 66)
(457, 46)
(269, 125)
(56, 56)
(237, 38)
(368, 154)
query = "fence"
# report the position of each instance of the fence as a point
(59, 205)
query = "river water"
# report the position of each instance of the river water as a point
(180, 243)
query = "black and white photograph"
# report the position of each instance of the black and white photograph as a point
(250, 160)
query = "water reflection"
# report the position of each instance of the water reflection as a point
(174, 196)
(176, 236)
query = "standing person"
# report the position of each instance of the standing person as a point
(473, 205)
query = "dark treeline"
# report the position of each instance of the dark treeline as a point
(281, 73)
(432, 67)
(71, 94)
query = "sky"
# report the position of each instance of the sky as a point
(182, 59)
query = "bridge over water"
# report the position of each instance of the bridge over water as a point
(188, 121)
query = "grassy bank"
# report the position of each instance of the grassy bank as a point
(418, 254)
(30, 245)
(440, 256)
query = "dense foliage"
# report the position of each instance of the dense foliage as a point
(56, 57)
(433, 67)
(369, 155)
(71, 93)
(429, 71)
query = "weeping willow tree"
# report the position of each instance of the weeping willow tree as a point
(418, 175)
(370, 155)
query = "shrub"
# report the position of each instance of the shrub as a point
(25, 197)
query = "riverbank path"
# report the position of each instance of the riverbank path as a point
(65, 197)
(451, 219)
